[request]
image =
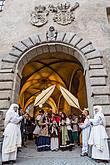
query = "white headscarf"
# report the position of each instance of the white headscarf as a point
(12, 106)
(10, 113)
(98, 111)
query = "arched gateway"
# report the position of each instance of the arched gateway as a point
(52, 51)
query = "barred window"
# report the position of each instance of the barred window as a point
(108, 13)
(2, 2)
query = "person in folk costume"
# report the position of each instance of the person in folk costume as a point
(98, 136)
(64, 133)
(59, 131)
(12, 134)
(37, 129)
(75, 128)
(54, 136)
(43, 140)
(85, 126)
(69, 129)
(80, 120)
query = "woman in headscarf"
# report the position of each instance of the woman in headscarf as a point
(98, 136)
(12, 135)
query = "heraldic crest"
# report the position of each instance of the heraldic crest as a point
(63, 14)
(39, 16)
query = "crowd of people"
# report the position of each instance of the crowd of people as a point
(55, 132)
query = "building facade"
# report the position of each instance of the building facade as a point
(55, 42)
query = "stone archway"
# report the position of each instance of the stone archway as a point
(24, 51)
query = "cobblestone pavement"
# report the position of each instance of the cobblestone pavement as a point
(29, 156)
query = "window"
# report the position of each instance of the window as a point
(2, 2)
(108, 13)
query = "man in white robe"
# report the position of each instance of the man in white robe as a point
(12, 135)
(98, 136)
(85, 132)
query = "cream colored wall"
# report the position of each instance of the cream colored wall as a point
(90, 23)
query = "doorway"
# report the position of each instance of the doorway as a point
(48, 69)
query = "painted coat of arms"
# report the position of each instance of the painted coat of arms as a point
(64, 13)
(39, 16)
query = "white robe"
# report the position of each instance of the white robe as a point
(85, 134)
(98, 138)
(12, 136)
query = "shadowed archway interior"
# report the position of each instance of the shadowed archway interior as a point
(53, 68)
